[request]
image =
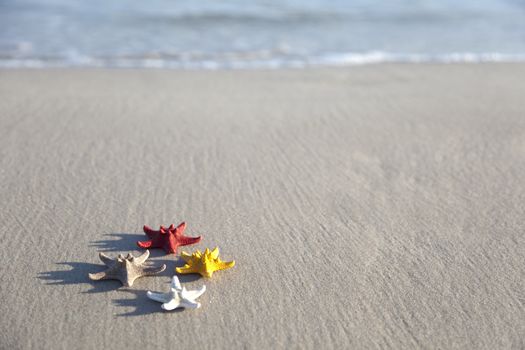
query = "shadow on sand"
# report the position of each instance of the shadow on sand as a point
(124, 243)
(119, 242)
(141, 303)
(78, 274)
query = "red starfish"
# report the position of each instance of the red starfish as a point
(167, 239)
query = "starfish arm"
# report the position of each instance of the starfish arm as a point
(153, 270)
(215, 253)
(169, 247)
(185, 256)
(98, 276)
(151, 233)
(160, 297)
(184, 240)
(223, 265)
(106, 259)
(189, 304)
(128, 282)
(141, 259)
(180, 229)
(145, 244)
(186, 269)
(193, 294)
(175, 283)
(171, 305)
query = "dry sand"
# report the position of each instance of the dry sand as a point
(370, 207)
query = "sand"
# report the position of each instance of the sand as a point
(368, 207)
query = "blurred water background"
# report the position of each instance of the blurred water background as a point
(257, 33)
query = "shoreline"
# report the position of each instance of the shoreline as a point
(228, 62)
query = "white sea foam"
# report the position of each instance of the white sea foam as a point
(255, 60)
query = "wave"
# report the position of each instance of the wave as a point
(288, 18)
(251, 60)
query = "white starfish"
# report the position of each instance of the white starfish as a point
(177, 296)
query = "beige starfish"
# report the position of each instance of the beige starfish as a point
(126, 269)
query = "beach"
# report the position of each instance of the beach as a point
(366, 207)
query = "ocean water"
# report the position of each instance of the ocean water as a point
(257, 33)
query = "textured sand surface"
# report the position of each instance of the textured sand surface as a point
(372, 207)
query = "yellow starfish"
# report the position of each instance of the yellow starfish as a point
(204, 263)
